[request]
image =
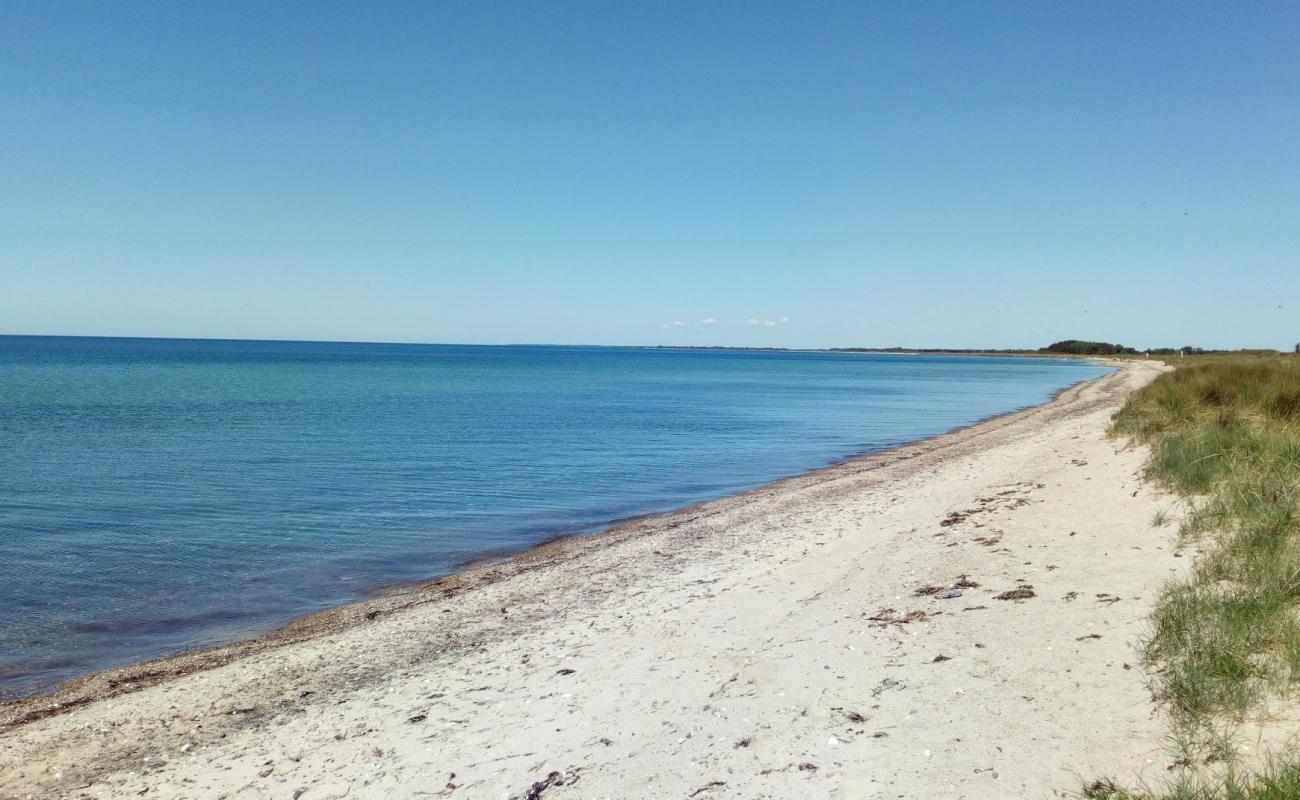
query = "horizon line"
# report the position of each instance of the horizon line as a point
(559, 344)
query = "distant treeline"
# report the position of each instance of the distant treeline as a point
(1189, 350)
(1071, 347)
(1065, 347)
(1079, 347)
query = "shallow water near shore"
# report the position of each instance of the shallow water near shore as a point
(161, 495)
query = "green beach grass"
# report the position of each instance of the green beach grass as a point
(1224, 640)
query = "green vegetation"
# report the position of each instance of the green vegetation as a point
(1186, 349)
(1225, 639)
(1278, 780)
(1081, 348)
(1065, 347)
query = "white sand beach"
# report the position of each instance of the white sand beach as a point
(955, 618)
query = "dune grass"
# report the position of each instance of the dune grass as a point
(1279, 779)
(1225, 640)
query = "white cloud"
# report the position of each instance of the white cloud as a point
(708, 322)
(700, 324)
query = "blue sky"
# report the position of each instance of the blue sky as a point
(923, 174)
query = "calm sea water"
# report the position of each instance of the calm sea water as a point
(164, 494)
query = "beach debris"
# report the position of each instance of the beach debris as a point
(743, 743)
(707, 786)
(940, 658)
(1089, 636)
(962, 582)
(1101, 788)
(1071, 596)
(851, 716)
(974, 608)
(806, 766)
(1022, 592)
(832, 741)
(565, 671)
(888, 683)
(724, 685)
(595, 740)
(552, 779)
(954, 518)
(1105, 598)
(414, 718)
(890, 616)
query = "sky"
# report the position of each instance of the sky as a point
(785, 174)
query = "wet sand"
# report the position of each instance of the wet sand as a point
(802, 639)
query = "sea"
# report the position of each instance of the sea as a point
(159, 495)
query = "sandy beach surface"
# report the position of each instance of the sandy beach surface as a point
(955, 618)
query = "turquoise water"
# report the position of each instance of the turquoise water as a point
(164, 494)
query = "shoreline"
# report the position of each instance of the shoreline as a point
(114, 681)
(689, 587)
(50, 670)
(495, 558)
